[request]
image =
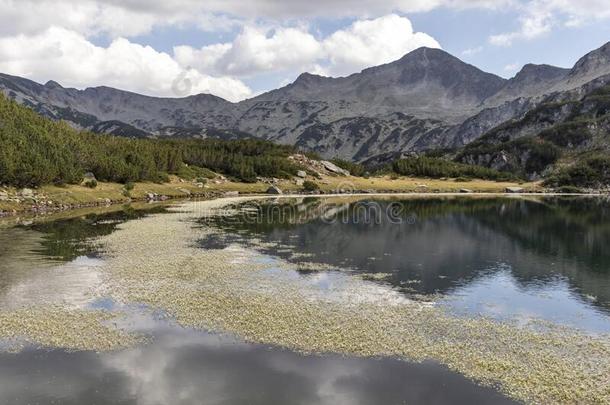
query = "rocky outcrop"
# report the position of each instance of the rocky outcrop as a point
(333, 168)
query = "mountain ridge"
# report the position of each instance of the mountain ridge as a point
(425, 100)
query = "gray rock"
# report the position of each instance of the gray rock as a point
(231, 193)
(466, 190)
(185, 191)
(302, 174)
(331, 167)
(299, 182)
(514, 190)
(274, 190)
(3, 196)
(26, 192)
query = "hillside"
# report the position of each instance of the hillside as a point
(35, 150)
(549, 139)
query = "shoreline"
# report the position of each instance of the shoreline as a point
(49, 200)
(142, 203)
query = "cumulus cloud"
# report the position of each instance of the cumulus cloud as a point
(373, 42)
(255, 50)
(69, 58)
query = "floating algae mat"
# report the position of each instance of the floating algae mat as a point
(156, 261)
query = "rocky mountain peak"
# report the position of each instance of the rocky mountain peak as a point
(532, 72)
(594, 59)
(594, 64)
(52, 84)
(440, 69)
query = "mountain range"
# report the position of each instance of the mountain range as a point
(427, 100)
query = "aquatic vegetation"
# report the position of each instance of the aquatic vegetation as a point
(156, 261)
(229, 291)
(72, 329)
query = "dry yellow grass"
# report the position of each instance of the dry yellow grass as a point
(78, 195)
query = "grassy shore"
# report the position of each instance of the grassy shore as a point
(58, 198)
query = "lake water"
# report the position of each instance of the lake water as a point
(510, 259)
(544, 258)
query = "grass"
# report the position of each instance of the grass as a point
(77, 195)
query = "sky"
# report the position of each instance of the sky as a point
(237, 49)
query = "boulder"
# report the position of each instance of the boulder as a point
(302, 174)
(331, 167)
(231, 193)
(299, 182)
(514, 190)
(466, 190)
(3, 196)
(274, 190)
(184, 191)
(26, 192)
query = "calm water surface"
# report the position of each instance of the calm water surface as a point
(505, 258)
(544, 258)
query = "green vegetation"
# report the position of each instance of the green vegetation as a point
(195, 173)
(524, 155)
(437, 168)
(309, 185)
(91, 183)
(593, 172)
(36, 151)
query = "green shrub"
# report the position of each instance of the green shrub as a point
(91, 183)
(309, 185)
(129, 186)
(593, 171)
(569, 190)
(436, 168)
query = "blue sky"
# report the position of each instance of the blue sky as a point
(237, 49)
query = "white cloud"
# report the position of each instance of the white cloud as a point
(512, 67)
(255, 50)
(69, 58)
(539, 17)
(134, 17)
(373, 42)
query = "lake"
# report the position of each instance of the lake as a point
(267, 301)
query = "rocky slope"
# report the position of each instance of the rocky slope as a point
(559, 128)
(426, 100)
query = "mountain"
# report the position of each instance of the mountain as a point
(428, 99)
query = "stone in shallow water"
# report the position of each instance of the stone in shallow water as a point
(513, 190)
(274, 190)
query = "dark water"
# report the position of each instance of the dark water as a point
(186, 367)
(502, 257)
(507, 258)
